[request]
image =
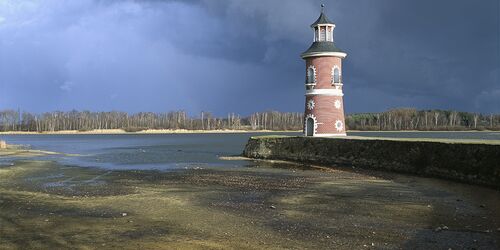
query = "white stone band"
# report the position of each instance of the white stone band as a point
(328, 135)
(335, 54)
(330, 92)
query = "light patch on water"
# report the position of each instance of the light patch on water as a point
(53, 176)
(6, 163)
(71, 182)
(64, 183)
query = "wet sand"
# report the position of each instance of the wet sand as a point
(267, 205)
(20, 152)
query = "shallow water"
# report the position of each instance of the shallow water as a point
(161, 152)
(174, 151)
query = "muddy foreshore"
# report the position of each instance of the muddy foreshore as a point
(44, 205)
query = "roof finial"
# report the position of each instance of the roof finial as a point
(322, 7)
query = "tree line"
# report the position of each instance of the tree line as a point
(426, 120)
(12, 120)
(395, 119)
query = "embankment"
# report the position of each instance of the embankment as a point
(471, 162)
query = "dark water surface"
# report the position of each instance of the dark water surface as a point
(144, 151)
(174, 151)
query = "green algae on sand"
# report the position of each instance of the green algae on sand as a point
(51, 206)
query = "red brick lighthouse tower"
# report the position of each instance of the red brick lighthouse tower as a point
(324, 115)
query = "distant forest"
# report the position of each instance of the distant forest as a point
(395, 119)
(425, 120)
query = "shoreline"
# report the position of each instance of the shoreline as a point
(14, 150)
(227, 131)
(148, 131)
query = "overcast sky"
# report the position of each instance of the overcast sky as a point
(244, 56)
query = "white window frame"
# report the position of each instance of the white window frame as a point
(308, 76)
(315, 127)
(339, 83)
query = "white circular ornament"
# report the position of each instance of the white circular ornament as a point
(337, 104)
(339, 125)
(310, 104)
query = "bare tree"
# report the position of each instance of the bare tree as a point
(476, 117)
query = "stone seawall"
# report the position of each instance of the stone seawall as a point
(475, 163)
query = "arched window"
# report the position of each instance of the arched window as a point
(336, 75)
(311, 75)
(322, 36)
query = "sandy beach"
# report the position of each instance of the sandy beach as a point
(187, 131)
(148, 131)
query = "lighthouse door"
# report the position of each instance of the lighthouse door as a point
(310, 127)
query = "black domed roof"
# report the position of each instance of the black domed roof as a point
(322, 19)
(317, 47)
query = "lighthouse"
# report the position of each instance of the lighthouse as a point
(324, 109)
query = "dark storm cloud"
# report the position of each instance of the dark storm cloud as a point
(434, 54)
(243, 56)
